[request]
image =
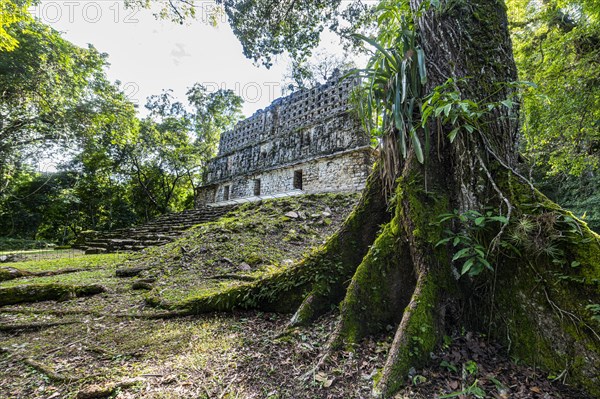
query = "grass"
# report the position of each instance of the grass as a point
(83, 262)
(103, 276)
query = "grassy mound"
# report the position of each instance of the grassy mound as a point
(252, 241)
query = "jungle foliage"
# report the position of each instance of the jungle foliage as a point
(557, 47)
(114, 168)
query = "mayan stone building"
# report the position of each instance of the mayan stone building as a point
(308, 141)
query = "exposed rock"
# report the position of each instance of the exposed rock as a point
(95, 251)
(157, 232)
(292, 214)
(244, 266)
(10, 273)
(12, 258)
(130, 271)
(141, 285)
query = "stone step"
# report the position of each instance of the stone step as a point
(159, 231)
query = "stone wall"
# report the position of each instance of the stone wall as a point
(345, 171)
(312, 131)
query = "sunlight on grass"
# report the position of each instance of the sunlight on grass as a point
(82, 262)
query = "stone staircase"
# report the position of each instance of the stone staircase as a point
(159, 231)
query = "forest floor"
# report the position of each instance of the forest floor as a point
(126, 343)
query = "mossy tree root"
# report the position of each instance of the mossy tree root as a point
(48, 371)
(535, 306)
(11, 273)
(380, 289)
(541, 306)
(26, 327)
(402, 282)
(46, 292)
(416, 337)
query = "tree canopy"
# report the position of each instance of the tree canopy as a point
(557, 47)
(11, 12)
(50, 89)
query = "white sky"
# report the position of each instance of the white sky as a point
(148, 55)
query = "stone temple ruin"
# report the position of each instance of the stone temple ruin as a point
(307, 142)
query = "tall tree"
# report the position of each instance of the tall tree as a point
(45, 84)
(320, 68)
(470, 241)
(265, 28)
(212, 114)
(166, 158)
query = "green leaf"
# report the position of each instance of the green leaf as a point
(447, 109)
(463, 253)
(469, 128)
(446, 216)
(421, 61)
(404, 81)
(486, 263)
(416, 145)
(442, 241)
(480, 251)
(501, 219)
(374, 43)
(402, 142)
(467, 266)
(398, 115)
(438, 111)
(453, 133)
(426, 111)
(480, 221)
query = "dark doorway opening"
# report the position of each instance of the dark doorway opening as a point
(298, 179)
(257, 187)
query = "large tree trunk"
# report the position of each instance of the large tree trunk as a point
(530, 301)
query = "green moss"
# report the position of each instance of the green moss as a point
(538, 328)
(11, 273)
(540, 304)
(587, 253)
(46, 292)
(381, 285)
(421, 333)
(424, 209)
(101, 275)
